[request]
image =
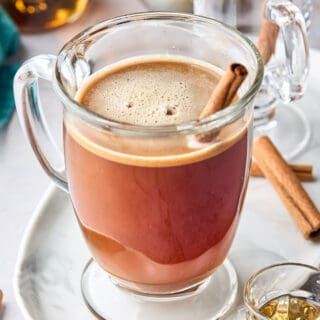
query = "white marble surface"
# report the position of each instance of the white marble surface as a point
(22, 181)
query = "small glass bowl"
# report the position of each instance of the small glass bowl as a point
(283, 281)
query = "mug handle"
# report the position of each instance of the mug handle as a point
(31, 116)
(288, 82)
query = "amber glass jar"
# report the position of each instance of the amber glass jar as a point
(36, 15)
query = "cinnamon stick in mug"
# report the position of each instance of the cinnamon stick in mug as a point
(226, 89)
(288, 187)
(223, 95)
(267, 37)
(1, 298)
(303, 171)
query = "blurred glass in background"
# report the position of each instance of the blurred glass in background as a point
(244, 14)
(36, 15)
(222, 10)
(169, 5)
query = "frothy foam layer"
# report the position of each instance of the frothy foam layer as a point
(157, 92)
(157, 151)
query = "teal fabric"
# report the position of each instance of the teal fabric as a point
(9, 43)
(7, 106)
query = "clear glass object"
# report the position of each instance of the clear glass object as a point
(169, 5)
(221, 10)
(286, 73)
(37, 15)
(283, 291)
(138, 281)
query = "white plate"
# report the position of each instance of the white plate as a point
(53, 253)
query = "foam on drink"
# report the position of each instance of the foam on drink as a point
(152, 93)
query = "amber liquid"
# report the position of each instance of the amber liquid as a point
(35, 15)
(291, 308)
(162, 225)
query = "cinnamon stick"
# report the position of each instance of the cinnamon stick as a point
(267, 37)
(303, 171)
(226, 90)
(1, 298)
(288, 187)
(222, 95)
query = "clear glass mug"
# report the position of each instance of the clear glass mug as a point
(286, 73)
(153, 244)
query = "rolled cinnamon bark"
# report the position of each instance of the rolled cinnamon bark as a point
(226, 89)
(303, 171)
(222, 95)
(288, 187)
(267, 37)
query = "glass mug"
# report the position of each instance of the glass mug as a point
(158, 223)
(286, 73)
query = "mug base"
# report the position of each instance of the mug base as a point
(209, 300)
